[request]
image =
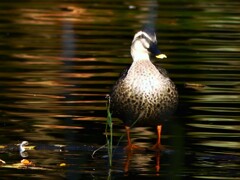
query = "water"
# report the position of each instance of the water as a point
(59, 60)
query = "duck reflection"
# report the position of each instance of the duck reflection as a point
(142, 161)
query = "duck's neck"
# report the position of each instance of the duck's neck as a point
(138, 56)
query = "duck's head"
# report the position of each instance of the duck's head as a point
(145, 43)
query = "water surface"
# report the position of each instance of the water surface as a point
(60, 59)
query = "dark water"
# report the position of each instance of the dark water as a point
(59, 59)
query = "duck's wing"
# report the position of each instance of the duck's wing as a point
(122, 76)
(115, 93)
(161, 70)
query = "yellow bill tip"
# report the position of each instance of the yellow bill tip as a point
(161, 56)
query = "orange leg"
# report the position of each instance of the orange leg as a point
(130, 146)
(158, 146)
(128, 135)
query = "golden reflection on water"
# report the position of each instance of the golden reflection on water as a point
(222, 144)
(209, 126)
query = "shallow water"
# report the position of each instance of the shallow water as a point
(60, 59)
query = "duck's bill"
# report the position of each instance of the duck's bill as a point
(156, 52)
(161, 56)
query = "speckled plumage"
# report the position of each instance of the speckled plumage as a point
(144, 93)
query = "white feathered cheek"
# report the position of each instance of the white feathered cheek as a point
(145, 43)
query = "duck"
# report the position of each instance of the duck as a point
(144, 95)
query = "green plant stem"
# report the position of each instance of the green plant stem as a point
(110, 127)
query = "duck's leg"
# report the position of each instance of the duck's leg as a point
(158, 146)
(130, 146)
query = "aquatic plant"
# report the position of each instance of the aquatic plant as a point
(109, 132)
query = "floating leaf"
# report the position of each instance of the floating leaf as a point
(2, 162)
(26, 162)
(62, 164)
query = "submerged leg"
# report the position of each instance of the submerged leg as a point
(158, 146)
(130, 146)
